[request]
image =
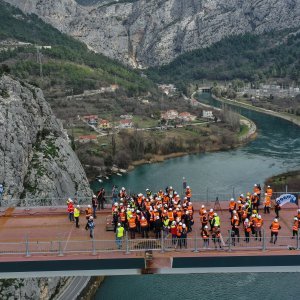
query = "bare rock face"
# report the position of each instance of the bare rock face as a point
(32, 288)
(145, 33)
(37, 160)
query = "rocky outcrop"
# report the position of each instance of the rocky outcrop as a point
(144, 33)
(37, 161)
(32, 288)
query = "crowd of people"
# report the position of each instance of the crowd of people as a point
(165, 213)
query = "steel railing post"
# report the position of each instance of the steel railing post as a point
(60, 250)
(298, 239)
(94, 252)
(195, 244)
(162, 241)
(263, 240)
(229, 240)
(27, 252)
(127, 243)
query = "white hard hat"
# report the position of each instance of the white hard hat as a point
(295, 218)
(116, 204)
(185, 198)
(299, 210)
(246, 220)
(255, 184)
(137, 211)
(132, 209)
(275, 220)
(94, 196)
(268, 186)
(143, 218)
(239, 202)
(115, 210)
(91, 218)
(170, 209)
(202, 206)
(119, 224)
(188, 187)
(173, 223)
(206, 226)
(157, 217)
(89, 206)
(180, 223)
(215, 214)
(255, 194)
(123, 189)
(190, 203)
(211, 210)
(78, 206)
(242, 195)
(231, 199)
(235, 217)
(183, 225)
(204, 211)
(259, 217)
(171, 187)
(234, 211)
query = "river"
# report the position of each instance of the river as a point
(276, 150)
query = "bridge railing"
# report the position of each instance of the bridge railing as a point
(205, 196)
(126, 245)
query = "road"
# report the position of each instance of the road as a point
(74, 288)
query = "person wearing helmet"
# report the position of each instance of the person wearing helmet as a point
(205, 236)
(91, 226)
(235, 231)
(258, 223)
(184, 234)
(115, 216)
(144, 227)
(232, 207)
(188, 193)
(295, 227)
(275, 227)
(277, 209)
(247, 230)
(158, 226)
(216, 236)
(76, 215)
(119, 235)
(71, 210)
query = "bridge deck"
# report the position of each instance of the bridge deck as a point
(45, 224)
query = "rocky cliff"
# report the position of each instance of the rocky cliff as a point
(152, 32)
(36, 158)
(32, 288)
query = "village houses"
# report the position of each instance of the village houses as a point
(126, 123)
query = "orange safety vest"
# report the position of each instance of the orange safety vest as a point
(132, 223)
(170, 215)
(232, 205)
(258, 223)
(190, 209)
(211, 215)
(247, 227)
(295, 225)
(269, 192)
(122, 216)
(179, 230)
(275, 227)
(144, 223)
(188, 193)
(267, 201)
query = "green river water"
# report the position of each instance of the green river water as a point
(276, 150)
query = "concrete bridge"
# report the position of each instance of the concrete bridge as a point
(41, 242)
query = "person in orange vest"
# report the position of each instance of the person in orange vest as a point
(232, 207)
(216, 236)
(144, 227)
(275, 227)
(255, 201)
(71, 210)
(269, 192)
(170, 215)
(267, 204)
(132, 227)
(258, 226)
(188, 193)
(205, 236)
(204, 219)
(235, 230)
(247, 229)
(295, 227)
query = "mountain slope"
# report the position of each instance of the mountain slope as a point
(153, 32)
(247, 57)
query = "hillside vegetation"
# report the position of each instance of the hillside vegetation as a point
(68, 62)
(248, 57)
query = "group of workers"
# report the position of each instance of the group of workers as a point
(165, 214)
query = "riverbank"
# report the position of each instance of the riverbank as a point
(289, 181)
(289, 117)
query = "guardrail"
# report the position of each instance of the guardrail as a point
(196, 244)
(207, 196)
